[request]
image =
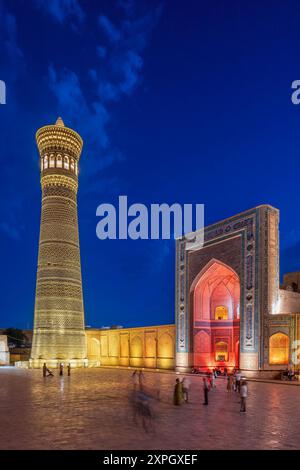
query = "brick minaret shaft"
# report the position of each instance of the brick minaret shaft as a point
(59, 316)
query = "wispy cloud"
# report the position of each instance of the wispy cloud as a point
(61, 10)
(9, 25)
(111, 31)
(102, 51)
(91, 118)
(12, 70)
(10, 230)
(11, 55)
(116, 71)
(126, 42)
(11, 215)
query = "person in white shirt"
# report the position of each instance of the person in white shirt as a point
(186, 383)
(244, 394)
(238, 377)
(212, 380)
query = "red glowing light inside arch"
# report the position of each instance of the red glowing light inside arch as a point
(215, 300)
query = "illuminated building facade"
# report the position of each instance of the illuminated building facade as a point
(59, 333)
(230, 309)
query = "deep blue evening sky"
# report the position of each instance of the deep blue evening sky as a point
(176, 101)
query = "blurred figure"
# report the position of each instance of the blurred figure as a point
(69, 369)
(244, 394)
(229, 383)
(141, 379)
(48, 371)
(178, 393)
(44, 369)
(234, 382)
(146, 412)
(142, 409)
(238, 377)
(205, 390)
(135, 379)
(212, 380)
(290, 374)
(186, 383)
(61, 369)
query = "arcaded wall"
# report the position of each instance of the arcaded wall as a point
(151, 347)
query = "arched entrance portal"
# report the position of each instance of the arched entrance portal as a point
(215, 303)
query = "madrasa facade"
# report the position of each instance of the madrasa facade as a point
(230, 310)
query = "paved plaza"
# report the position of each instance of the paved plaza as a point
(91, 410)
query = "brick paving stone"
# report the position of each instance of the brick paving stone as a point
(91, 410)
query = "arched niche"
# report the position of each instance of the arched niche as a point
(136, 347)
(165, 346)
(279, 349)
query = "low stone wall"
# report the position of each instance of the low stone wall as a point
(149, 347)
(19, 354)
(4, 351)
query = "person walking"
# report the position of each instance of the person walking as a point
(61, 369)
(212, 380)
(238, 377)
(229, 383)
(178, 393)
(69, 370)
(44, 370)
(135, 379)
(244, 394)
(205, 390)
(234, 382)
(141, 379)
(186, 383)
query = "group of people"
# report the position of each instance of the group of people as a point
(209, 383)
(48, 373)
(217, 371)
(234, 382)
(288, 374)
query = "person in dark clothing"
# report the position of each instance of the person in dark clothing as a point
(61, 369)
(205, 390)
(178, 398)
(49, 373)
